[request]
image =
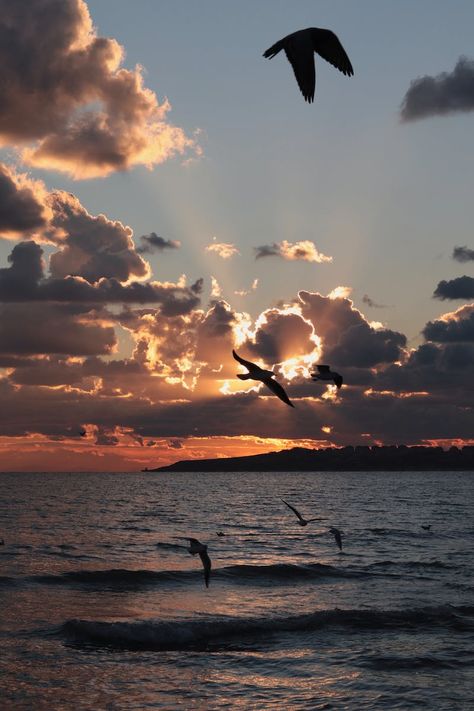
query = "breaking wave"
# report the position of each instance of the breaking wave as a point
(200, 634)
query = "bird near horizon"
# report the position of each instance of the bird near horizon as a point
(325, 373)
(198, 548)
(337, 536)
(300, 47)
(265, 376)
(302, 521)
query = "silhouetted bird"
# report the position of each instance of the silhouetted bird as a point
(426, 528)
(220, 534)
(325, 373)
(337, 536)
(302, 521)
(83, 433)
(300, 48)
(265, 376)
(195, 548)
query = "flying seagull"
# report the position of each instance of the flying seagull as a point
(196, 547)
(300, 48)
(265, 376)
(302, 521)
(426, 528)
(325, 373)
(337, 536)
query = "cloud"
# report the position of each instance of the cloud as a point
(463, 254)
(223, 249)
(53, 328)
(216, 289)
(452, 327)
(22, 204)
(304, 250)
(371, 303)
(153, 242)
(92, 247)
(442, 94)
(68, 100)
(246, 292)
(459, 288)
(24, 281)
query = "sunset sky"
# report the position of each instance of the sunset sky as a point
(167, 195)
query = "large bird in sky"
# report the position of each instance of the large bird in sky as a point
(265, 376)
(300, 47)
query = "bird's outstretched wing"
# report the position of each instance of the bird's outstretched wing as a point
(194, 540)
(206, 562)
(327, 45)
(274, 49)
(301, 57)
(278, 390)
(242, 361)
(338, 381)
(323, 368)
(295, 511)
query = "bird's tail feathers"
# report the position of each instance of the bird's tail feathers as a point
(243, 376)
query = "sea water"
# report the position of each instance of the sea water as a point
(103, 607)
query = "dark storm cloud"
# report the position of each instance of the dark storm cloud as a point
(23, 281)
(153, 242)
(21, 209)
(63, 89)
(442, 94)
(463, 254)
(459, 288)
(458, 328)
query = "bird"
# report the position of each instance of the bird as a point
(325, 373)
(265, 376)
(220, 534)
(302, 521)
(300, 47)
(82, 433)
(196, 547)
(337, 536)
(426, 528)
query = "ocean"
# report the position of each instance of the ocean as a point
(102, 606)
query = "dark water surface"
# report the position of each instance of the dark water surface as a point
(103, 608)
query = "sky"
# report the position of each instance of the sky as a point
(167, 195)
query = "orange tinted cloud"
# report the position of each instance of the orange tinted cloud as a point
(66, 97)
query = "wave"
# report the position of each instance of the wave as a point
(218, 632)
(413, 564)
(279, 572)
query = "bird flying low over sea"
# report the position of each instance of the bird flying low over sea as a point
(300, 47)
(265, 376)
(325, 373)
(195, 548)
(426, 528)
(337, 536)
(302, 521)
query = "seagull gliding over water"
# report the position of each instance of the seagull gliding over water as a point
(337, 536)
(265, 376)
(300, 47)
(302, 521)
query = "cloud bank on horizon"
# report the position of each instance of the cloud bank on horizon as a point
(89, 339)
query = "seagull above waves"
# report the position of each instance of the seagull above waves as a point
(325, 373)
(300, 47)
(265, 376)
(337, 536)
(195, 548)
(302, 521)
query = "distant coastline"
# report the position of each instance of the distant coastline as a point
(359, 458)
